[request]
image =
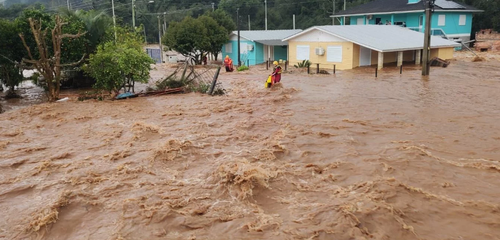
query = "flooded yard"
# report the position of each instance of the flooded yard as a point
(344, 156)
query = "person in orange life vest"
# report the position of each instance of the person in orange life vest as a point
(228, 63)
(276, 76)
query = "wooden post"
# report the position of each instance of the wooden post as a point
(308, 69)
(267, 65)
(376, 72)
(333, 68)
(286, 65)
(317, 68)
(214, 81)
(401, 69)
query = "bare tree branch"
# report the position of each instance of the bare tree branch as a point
(72, 35)
(72, 64)
(25, 45)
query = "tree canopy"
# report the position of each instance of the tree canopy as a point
(308, 13)
(10, 47)
(116, 64)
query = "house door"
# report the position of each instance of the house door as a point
(420, 22)
(365, 56)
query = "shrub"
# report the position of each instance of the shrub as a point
(115, 64)
(242, 68)
(303, 64)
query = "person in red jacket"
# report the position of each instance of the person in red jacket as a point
(276, 76)
(228, 63)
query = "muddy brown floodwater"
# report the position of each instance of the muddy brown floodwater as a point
(349, 156)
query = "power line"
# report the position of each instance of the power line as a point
(175, 11)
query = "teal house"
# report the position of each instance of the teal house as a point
(258, 46)
(450, 20)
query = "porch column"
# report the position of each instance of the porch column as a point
(400, 58)
(418, 55)
(380, 60)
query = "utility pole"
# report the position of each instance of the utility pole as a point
(265, 3)
(249, 23)
(427, 37)
(344, 10)
(159, 39)
(213, 7)
(164, 22)
(133, 14)
(293, 21)
(238, 27)
(114, 17)
(67, 2)
(333, 10)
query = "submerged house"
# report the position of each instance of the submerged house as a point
(352, 46)
(258, 46)
(450, 19)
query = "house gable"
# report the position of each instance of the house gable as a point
(316, 35)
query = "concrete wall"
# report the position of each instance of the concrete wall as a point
(451, 27)
(392, 57)
(451, 23)
(259, 53)
(443, 53)
(233, 54)
(409, 56)
(347, 54)
(446, 53)
(255, 57)
(355, 55)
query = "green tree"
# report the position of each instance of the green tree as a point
(188, 37)
(223, 19)
(10, 47)
(116, 64)
(217, 35)
(46, 22)
(96, 24)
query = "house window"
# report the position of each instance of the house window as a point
(229, 48)
(243, 48)
(302, 52)
(441, 20)
(462, 20)
(334, 54)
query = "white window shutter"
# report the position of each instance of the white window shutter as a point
(334, 54)
(441, 20)
(462, 20)
(303, 52)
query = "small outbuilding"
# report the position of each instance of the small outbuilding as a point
(351, 46)
(258, 46)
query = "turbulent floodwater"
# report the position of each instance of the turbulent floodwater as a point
(349, 156)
